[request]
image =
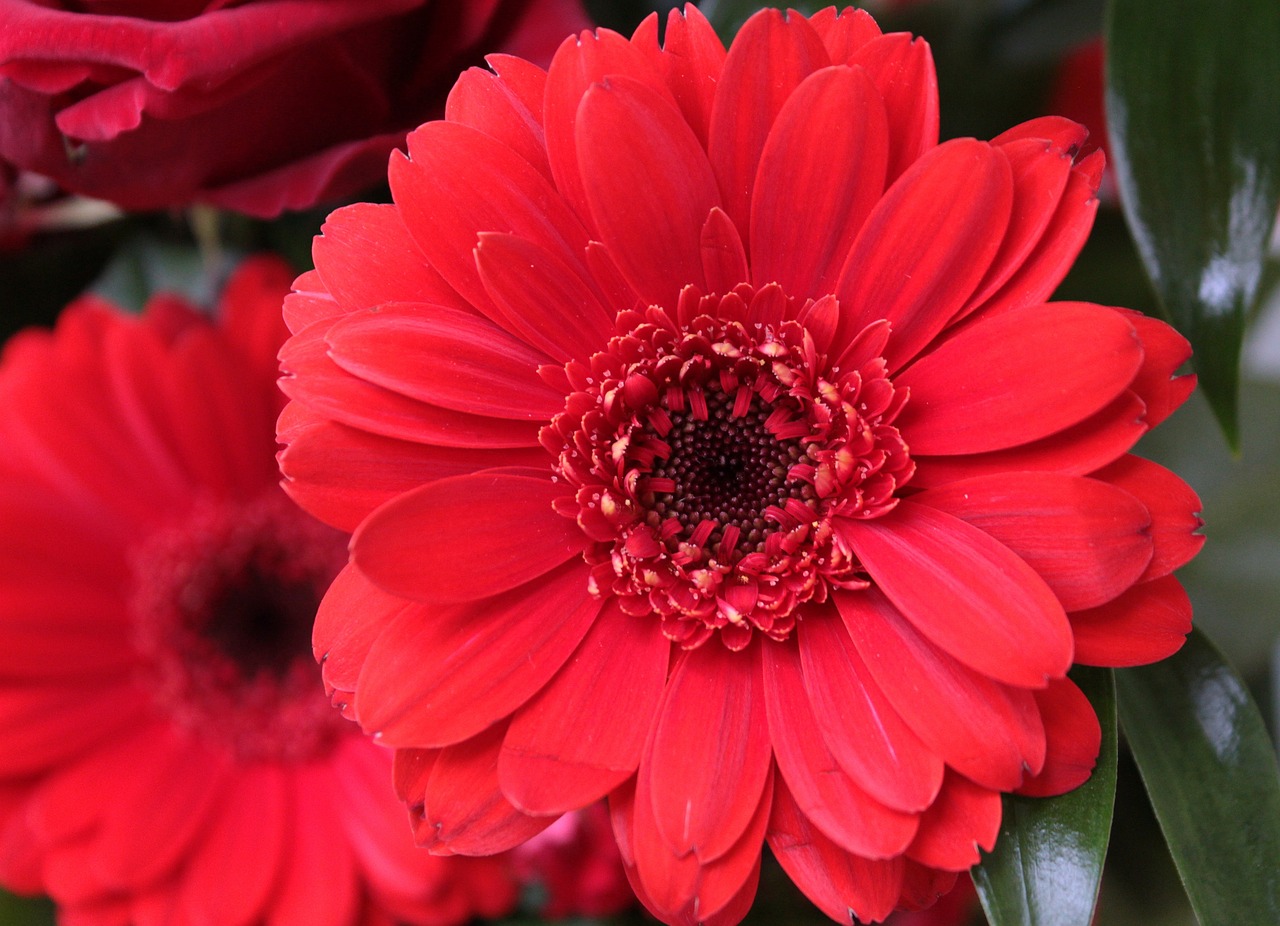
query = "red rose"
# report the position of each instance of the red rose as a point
(258, 106)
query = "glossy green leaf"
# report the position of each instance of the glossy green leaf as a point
(1210, 769)
(1047, 863)
(1193, 107)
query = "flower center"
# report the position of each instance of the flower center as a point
(721, 475)
(709, 461)
(223, 605)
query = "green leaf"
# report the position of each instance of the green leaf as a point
(25, 911)
(1210, 769)
(1193, 106)
(1047, 863)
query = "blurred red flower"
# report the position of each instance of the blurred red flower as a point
(575, 866)
(709, 444)
(258, 106)
(170, 755)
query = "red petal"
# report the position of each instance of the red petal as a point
(459, 183)
(691, 62)
(631, 139)
(901, 67)
(986, 731)
(74, 716)
(845, 32)
(821, 171)
(179, 794)
(965, 591)
(1164, 353)
(340, 474)
(580, 62)
(313, 380)
(1040, 174)
(1147, 623)
(447, 358)
(846, 887)
(543, 300)
(1174, 508)
(922, 886)
(437, 676)
(1073, 737)
(828, 797)
(926, 245)
(1017, 377)
(466, 537)
(964, 819)
(1077, 450)
(506, 106)
(566, 747)
(1047, 264)
(351, 615)
(769, 57)
(1089, 541)
(710, 753)
(319, 887)
(366, 257)
(724, 262)
(464, 811)
(866, 735)
(245, 847)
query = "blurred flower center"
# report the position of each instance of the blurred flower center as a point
(710, 459)
(223, 605)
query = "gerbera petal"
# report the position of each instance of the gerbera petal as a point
(179, 792)
(1040, 174)
(866, 735)
(319, 885)
(447, 358)
(769, 57)
(1075, 451)
(1047, 264)
(821, 171)
(245, 847)
(630, 138)
(464, 811)
(437, 676)
(459, 182)
(1174, 507)
(73, 718)
(901, 67)
(927, 244)
(844, 31)
(847, 887)
(922, 885)
(1088, 540)
(312, 379)
(1073, 737)
(466, 537)
(566, 747)
(1164, 351)
(366, 257)
(1147, 623)
(827, 796)
(1017, 377)
(340, 474)
(350, 617)
(962, 821)
(986, 731)
(506, 105)
(966, 591)
(710, 755)
(545, 301)
(691, 62)
(581, 62)
(724, 262)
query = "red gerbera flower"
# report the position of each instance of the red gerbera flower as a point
(709, 445)
(169, 754)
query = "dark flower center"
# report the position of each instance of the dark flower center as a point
(723, 472)
(223, 606)
(710, 460)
